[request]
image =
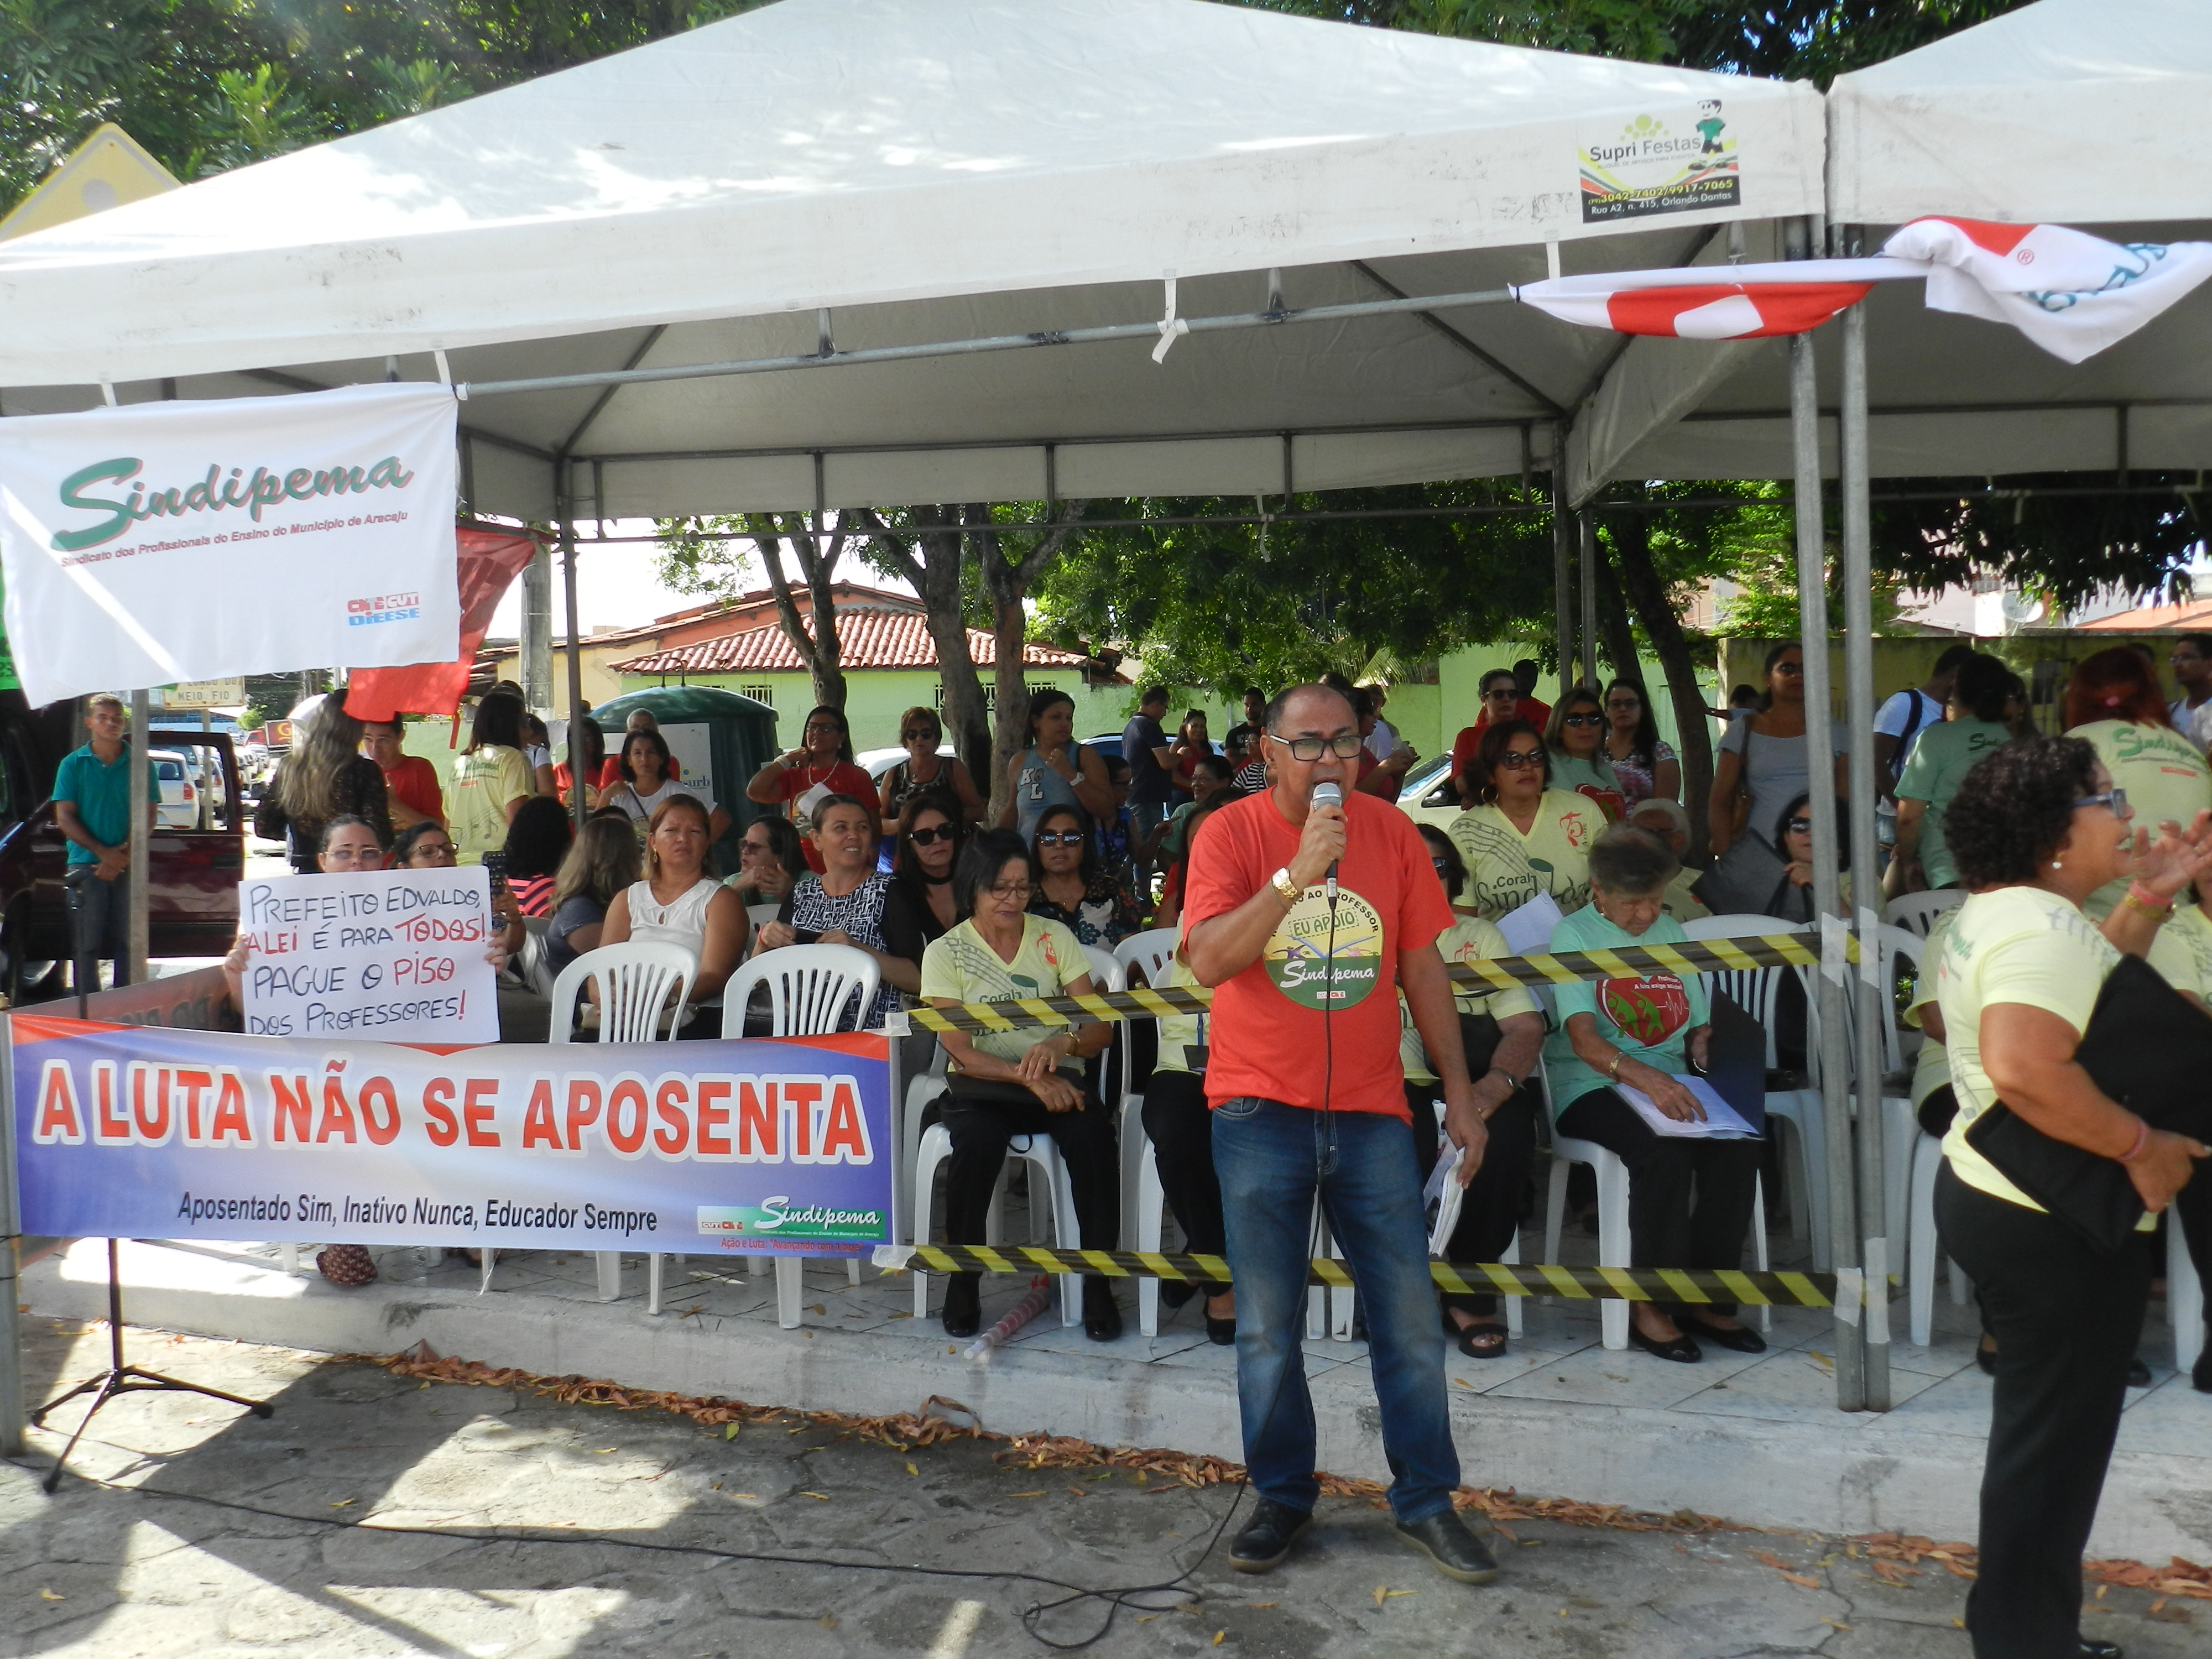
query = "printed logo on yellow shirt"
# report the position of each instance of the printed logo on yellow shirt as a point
(1316, 967)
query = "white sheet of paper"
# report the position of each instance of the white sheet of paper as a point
(1722, 1121)
(1444, 1192)
(1529, 928)
(383, 956)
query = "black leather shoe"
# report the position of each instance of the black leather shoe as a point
(2138, 1374)
(2200, 1373)
(2099, 1650)
(1457, 1552)
(1268, 1536)
(964, 1305)
(1683, 1350)
(1176, 1293)
(1742, 1339)
(1102, 1315)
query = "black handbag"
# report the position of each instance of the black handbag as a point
(2148, 1047)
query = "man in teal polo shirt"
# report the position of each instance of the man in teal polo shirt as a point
(92, 807)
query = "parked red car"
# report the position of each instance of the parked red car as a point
(194, 898)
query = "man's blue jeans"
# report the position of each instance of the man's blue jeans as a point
(1271, 1160)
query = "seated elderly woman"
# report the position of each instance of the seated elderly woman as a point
(851, 902)
(1689, 1199)
(1020, 1082)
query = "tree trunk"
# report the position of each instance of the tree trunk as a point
(1613, 626)
(1640, 582)
(930, 557)
(1008, 584)
(818, 649)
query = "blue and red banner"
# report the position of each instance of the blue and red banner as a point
(760, 1146)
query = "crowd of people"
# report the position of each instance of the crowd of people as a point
(1271, 889)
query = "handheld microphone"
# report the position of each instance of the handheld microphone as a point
(1326, 792)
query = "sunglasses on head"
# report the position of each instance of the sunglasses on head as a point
(935, 833)
(1060, 838)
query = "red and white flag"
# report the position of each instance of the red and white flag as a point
(2070, 293)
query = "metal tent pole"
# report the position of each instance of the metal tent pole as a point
(1586, 526)
(1828, 982)
(1563, 586)
(12, 1403)
(1871, 981)
(577, 782)
(141, 883)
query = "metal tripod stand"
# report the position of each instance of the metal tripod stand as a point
(120, 1378)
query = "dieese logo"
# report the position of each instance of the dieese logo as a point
(383, 608)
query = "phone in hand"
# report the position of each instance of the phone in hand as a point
(495, 866)
(805, 936)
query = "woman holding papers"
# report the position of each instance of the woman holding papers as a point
(2038, 829)
(1615, 1072)
(1519, 835)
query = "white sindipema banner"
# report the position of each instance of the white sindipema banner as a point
(154, 543)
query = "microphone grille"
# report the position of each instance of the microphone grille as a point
(1327, 790)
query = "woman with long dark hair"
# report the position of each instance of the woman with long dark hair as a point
(770, 862)
(1766, 756)
(931, 834)
(491, 780)
(2037, 829)
(1644, 764)
(1073, 885)
(325, 776)
(1575, 737)
(1054, 770)
(821, 766)
(602, 864)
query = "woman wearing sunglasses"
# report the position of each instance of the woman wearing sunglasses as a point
(929, 836)
(1519, 836)
(1576, 737)
(1643, 761)
(1073, 888)
(1763, 758)
(2114, 703)
(922, 735)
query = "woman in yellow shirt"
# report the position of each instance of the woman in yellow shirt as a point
(2114, 701)
(1519, 836)
(2035, 829)
(491, 780)
(1502, 1034)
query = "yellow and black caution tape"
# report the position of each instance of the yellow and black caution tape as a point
(1698, 956)
(1491, 1278)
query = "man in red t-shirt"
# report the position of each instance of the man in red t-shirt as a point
(411, 783)
(1502, 700)
(1309, 920)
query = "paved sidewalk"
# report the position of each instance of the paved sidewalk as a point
(111, 1573)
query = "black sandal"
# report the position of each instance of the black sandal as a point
(1471, 1338)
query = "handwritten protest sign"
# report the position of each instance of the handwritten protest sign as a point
(397, 955)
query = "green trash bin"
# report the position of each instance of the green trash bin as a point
(727, 737)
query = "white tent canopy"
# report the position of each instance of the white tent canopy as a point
(926, 171)
(2076, 111)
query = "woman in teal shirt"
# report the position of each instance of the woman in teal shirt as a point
(1973, 726)
(1576, 737)
(1643, 1034)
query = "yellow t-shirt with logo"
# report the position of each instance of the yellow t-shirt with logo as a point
(1931, 1066)
(2009, 944)
(2167, 780)
(962, 967)
(1470, 939)
(2182, 951)
(1505, 869)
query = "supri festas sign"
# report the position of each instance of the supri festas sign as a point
(161, 542)
(759, 1146)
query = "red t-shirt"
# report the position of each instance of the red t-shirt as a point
(842, 779)
(1526, 709)
(1267, 1021)
(413, 782)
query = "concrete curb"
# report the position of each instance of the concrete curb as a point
(1858, 1477)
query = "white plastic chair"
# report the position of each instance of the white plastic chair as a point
(2184, 1297)
(637, 979)
(1915, 913)
(1150, 954)
(1754, 990)
(812, 991)
(1612, 1243)
(536, 972)
(1921, 1243)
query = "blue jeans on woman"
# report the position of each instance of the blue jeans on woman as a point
(1271, 1160)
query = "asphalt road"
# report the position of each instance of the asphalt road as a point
(339, 1527)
